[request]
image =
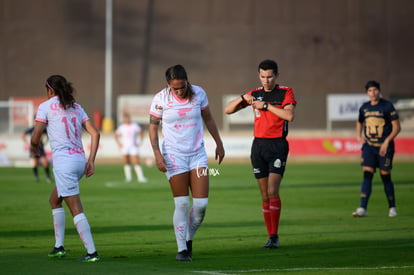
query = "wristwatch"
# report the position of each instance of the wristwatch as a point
(265, 105)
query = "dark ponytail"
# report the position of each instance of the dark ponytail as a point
(63, 89)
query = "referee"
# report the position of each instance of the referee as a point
(273, 106)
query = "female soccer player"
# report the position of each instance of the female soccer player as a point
(64, 119)
(126, 137)
(183, 107)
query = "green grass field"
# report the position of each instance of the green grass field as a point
(132, 224)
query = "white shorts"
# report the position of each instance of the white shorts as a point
(67, 176)
(130, 150)
(178, 164)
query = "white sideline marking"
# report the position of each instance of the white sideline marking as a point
(235, 272)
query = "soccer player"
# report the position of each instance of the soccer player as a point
(273, 107)
(64, 119)
(35, 159)
(377, 126)
(182, 108)
(126, 136)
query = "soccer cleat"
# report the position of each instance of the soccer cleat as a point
(48, 180)
(90, 258)
(143, 180)
(190, 248)
(392, 212)
(57, 252)
(360, 212)
(183, 256)
(272, 243)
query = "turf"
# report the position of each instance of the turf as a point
(132, 224)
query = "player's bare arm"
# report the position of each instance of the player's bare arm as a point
(212, 128)
(396, 128)
(286, 113)
(153, 136)
(238, 104)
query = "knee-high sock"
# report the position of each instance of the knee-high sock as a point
(275, 209)
(84, 231)
(59, 222)
(127, 172)
(389, 189)
(139, 172)
(180, 220)
(197, 214)
(266, 216)
(366, 189)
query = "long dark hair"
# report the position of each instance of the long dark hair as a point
(63, 89)
(178, 72)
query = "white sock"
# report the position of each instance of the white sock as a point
(59, 223)
(180, 221)
(196, 216)
(84, 231)
(138, 171)
(127, 172)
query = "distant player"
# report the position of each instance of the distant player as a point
(377, 126)
(41, 157)
(65, 120)
(126, 137)
(274, 107)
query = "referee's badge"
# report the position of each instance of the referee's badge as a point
(277, 163)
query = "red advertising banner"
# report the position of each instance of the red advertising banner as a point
(340, 146)
(20, 113)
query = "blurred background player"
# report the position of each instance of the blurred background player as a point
(182, 108)
(65, 119)
(274, 108)
(128, 136)
(377, 126)
(41, 157)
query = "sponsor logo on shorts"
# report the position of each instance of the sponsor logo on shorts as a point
(256, 170)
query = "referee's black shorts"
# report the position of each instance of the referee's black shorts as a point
(269, 155)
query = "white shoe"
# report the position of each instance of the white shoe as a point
(360, 212)
(143, 180)
(392, 212)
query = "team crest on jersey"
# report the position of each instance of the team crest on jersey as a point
(277, 163)
(158, 107)
(260, 98)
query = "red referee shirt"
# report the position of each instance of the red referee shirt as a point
(267, 124)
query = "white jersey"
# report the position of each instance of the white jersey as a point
(129, 134)
(182, 124)
(64, 129)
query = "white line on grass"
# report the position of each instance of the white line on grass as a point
(235, 272)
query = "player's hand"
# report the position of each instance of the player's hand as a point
(249, 98)
(89, 169)
(383, 149)
(35, 151)
(160, 162)
(219, 154)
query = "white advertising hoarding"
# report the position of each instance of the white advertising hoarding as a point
(343, 107)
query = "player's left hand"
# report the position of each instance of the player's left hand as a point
(89, 169)
(220, 153)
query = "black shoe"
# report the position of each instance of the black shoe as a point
(190, 248)
(90, 258)
(57, 252)
(273, 242)
(183, 256)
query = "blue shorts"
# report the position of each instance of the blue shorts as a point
(371, 157)
(269, 156)
(178, 164)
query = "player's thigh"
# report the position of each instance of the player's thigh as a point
(180, 184)
(199, 182)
